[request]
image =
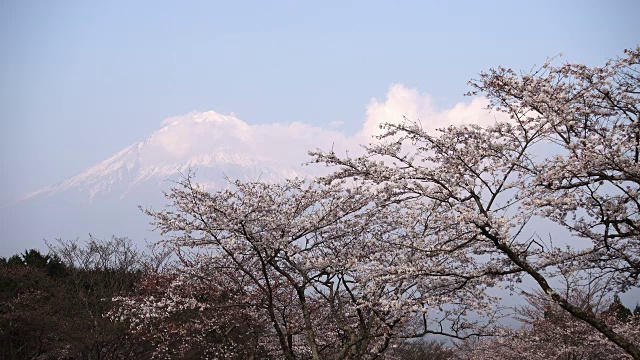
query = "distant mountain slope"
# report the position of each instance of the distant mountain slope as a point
(215, 145)
(104, 198)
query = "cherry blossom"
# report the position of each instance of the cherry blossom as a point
(569, 154)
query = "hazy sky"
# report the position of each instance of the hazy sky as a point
(80, 80)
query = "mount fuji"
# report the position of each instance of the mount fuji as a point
(103, 200)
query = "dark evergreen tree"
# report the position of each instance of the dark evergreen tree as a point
(618, 309)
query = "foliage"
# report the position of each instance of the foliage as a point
(422, 349)
(52, 308)
(29, 298)
(34, 259)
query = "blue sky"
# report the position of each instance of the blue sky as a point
(80, 80)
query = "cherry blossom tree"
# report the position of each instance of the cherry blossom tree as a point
(591, 187)
(569, 154)
(186, 318)
(549, 332)
(294, 270)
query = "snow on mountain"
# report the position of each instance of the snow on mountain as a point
(216, 146)
(103, 200)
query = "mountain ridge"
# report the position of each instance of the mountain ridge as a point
(105, 199)
(220, 146)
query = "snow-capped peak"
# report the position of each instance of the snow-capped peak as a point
(215, 145)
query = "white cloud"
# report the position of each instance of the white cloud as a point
(200, 133)
(291, 142)
(196, 133)
(403, 102)
(400, 102)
